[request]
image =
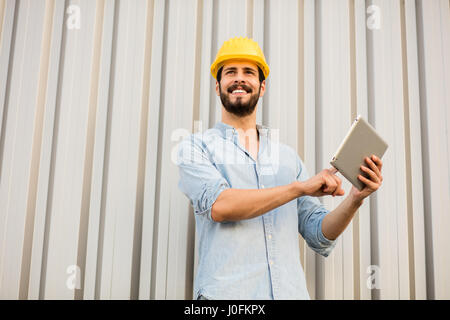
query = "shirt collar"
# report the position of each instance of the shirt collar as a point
(228, 131)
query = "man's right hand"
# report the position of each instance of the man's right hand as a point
(240, 204)
(324, 183)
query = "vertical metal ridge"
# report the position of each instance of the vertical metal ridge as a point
(265, 102)
(430, 277)
(161, 139)
(95, 194)
(374, 243)
(301, 103)
(6, 41)
(36, 148)
(137, 240)
(8, 87)
(353, 112)
(214, 45)
(406, 118)
(51, 181)
(159, 157)
(415, 148)
(249, 18)
(318, 80)
(3, 123)
(301, 80)
(2, 18)
(195, 117)
(89, 146)
(107, 153)
(353, 92)
(320, 283)
(198, 62)
(301, 114)
(151, 157)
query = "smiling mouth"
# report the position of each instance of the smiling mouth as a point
(239, 92)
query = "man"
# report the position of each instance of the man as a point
(249, 210)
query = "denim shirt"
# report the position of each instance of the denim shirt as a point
(256, 258)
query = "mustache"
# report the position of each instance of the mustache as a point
(236, 86)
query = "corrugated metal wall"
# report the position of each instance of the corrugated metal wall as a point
(92, 110)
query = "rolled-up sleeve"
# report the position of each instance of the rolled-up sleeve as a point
(199, 180)
(310, 216)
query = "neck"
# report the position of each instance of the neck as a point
(243, 123)
(246, 126)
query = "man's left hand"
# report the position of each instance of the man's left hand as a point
(373, 169)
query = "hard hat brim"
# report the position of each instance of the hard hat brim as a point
(250, 58)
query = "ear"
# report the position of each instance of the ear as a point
(263, 88)
(217, 88)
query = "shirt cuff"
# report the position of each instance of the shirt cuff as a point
(322, 239)
(211, 200)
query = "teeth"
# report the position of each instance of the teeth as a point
(239, 91)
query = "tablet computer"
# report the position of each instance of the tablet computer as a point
(361, 141)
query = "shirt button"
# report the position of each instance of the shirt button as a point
(269, 236)
(271, 262)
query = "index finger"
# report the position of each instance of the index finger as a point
(333, 170)
(377, 161)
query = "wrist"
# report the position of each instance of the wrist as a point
(298, 187)
(356, 200)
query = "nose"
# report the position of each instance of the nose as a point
(239, 82)
(239, 77)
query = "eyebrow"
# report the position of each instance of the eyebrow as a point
(234, 69)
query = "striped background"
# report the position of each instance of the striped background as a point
(90, 118)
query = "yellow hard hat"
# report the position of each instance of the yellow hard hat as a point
(240, 48)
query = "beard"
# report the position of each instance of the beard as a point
(239, 108)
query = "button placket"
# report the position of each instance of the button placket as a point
(263, 182)
(268, 226)
(271, 256)
(236, 142)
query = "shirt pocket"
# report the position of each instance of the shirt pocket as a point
(239, 176)
(284, 175)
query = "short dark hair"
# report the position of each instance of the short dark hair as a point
(261, 75)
